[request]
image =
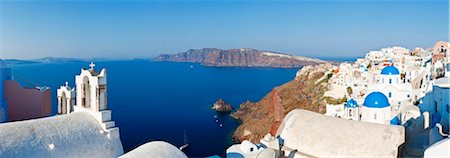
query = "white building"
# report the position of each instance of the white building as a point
(351, 110)
(376, 109)
(249, 150)
(428, 134)
(91, 89)
(335, 110)
(66, 99)
(90, 97)
(437, 105)
(391, 86)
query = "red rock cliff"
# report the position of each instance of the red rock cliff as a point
(305, 92)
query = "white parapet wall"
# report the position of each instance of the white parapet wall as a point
(155, 149)
(101, 116)
(319, 135)
(439, 149)
(77, 134)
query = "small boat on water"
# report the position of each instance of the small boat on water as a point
(186, 143)
(184, 146)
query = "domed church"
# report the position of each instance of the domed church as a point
(390, 75)
(351, 110)
(391, 85)
(376, 108)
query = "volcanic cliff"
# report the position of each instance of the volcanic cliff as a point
(305, 92)
(243, 57)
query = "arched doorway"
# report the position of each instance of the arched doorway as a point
(63, 103)
(86, 94)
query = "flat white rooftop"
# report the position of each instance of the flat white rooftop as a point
(76, 134)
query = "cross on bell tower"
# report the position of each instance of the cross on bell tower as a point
(92, 65)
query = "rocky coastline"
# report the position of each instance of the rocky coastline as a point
(262, 117)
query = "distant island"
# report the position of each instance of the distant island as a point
(214, 57)
(48, 60)
(243, 57)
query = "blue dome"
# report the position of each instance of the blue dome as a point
(234, 155)
(351, 104)
(395, 121)
(376, 100)
(390, 70)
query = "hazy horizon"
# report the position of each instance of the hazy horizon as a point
(144, 29)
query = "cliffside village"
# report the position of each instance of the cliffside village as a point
(393, 102)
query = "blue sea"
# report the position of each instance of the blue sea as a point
(160, 100)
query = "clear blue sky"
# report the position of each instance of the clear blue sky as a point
(120, 29)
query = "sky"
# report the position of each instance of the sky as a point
(141, 29)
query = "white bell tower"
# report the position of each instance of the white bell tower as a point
(91, 89)
(90, 94)
(66, 99)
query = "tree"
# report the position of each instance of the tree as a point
(349, 90)
(329, 75)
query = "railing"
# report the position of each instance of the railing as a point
(296, 152)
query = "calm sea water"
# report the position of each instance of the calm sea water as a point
(159, 100)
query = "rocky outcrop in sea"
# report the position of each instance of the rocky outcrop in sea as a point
(222, 106)
(243, 57)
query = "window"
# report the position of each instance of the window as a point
(251, 149)
(390, 95)
(350, 112)
(435, 106)
(390, 81)
(374, 116)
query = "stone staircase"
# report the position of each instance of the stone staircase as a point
(104, 117)
(108, 125)
(415, 147)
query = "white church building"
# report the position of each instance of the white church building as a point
(351, 110)
(376, 109)
(89, 95)
(66, 99)
(384, 97)
(391, 85)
